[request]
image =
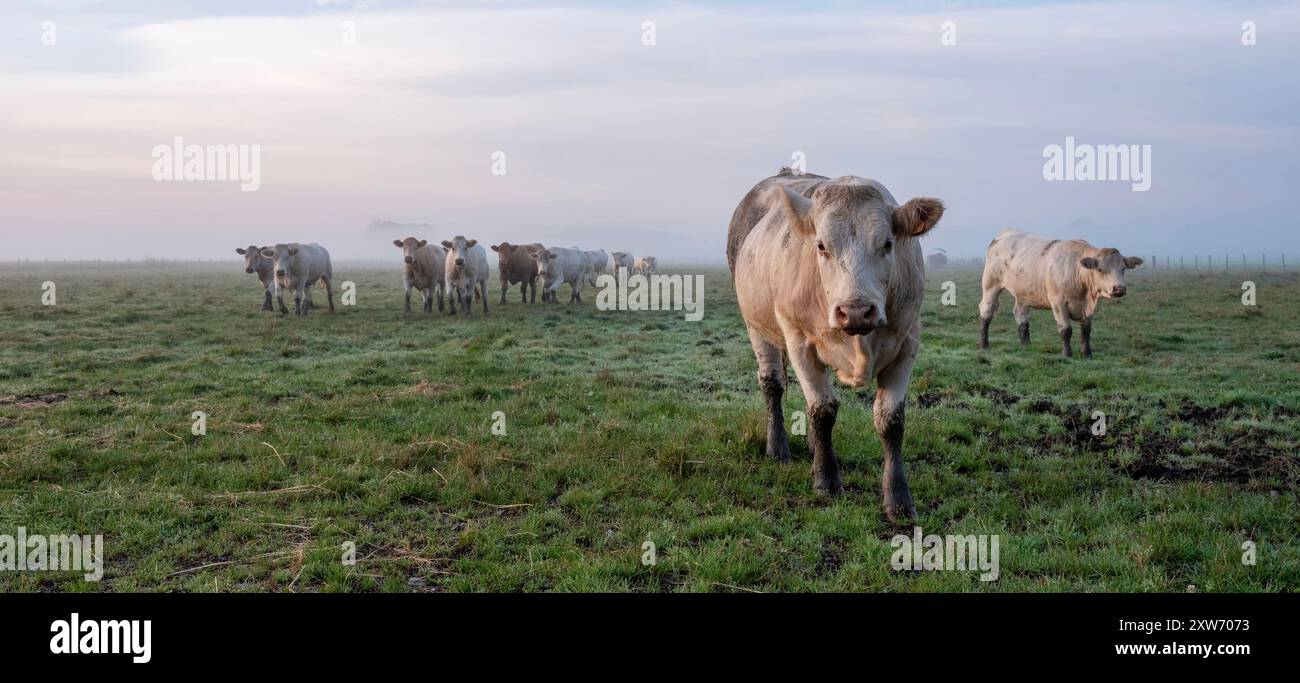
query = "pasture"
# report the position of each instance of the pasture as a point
(374, 426)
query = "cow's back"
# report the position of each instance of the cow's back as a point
(753, 207)
(520, 265)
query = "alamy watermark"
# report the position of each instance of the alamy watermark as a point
(1099, 162)
(179, 161)
(953, 552)
(651, 293)
(59, 552)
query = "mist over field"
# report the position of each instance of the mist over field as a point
(394, 111)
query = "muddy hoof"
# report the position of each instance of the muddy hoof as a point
(897, 511)
(827, 488)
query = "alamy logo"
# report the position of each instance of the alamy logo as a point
(60, 552)
(1099, 162)
(652, 293)
(180, 161)
(74, 636)
(953, 552)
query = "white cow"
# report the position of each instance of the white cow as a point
(467, 272)
(297, 268)
(558, 265)
(424, 270)
(597, 264)
(623, 259)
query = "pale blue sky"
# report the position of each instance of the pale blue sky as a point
(610, 143)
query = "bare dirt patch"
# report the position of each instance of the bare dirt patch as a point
(33, 400)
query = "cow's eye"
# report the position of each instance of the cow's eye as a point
(889, 244)
(821, 247)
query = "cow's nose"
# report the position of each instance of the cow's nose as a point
(460, 261)
(280, 273)
(410, 260)
(1119, 290)
(248, 270)
(856, 317)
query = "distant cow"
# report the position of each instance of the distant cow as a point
(829, 273)
(297, 268)
(423, 270)
(623, 259)
(467, 272)
(559, 265)
(254, 262)
(516, 266)
(1069, 277)
(645, 264)
(597, 264)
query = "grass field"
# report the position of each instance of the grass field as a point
(372, 426)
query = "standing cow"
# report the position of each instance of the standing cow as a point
(423, 268)
(516, 266)
(297, 268)
(1069, 277)
(829, 273)
(254, 262)
(558, 266)
(623, 259)
(646, 265)
(597, 264)
(467, 272)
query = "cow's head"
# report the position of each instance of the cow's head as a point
(505, 252)
(853, 230)
(280, 253)
(1105, 270)
(546, 266)
(409, 246)
(253, 258)
(457, 248)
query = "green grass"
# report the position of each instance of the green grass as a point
(374, 426)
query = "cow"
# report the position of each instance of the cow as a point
(559, 265)
(423, 266)
(516, 266)
(1070, 277)
(829, 274)
(254, 262)
(623, 259)
(467, 272)
(645, 264)
(597, 264)
(297, 268)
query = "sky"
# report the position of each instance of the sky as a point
(403, 111)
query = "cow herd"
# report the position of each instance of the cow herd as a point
(829, 277)
(454, 273)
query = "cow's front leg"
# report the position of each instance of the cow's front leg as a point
(482, 287)
(1062, 314)
(441, 290)
(279, 296)
(771, 379)
(504, 285)
(575, 297)
(822, 408)
(1085, 330)
(266, 303)
(888, 414)
(428, 300)
(408, 297)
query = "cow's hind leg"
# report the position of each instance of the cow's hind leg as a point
(988, 307)
(483, 294)
(819, 393)
(1022, 322)
(771, 379)
(329, 291)
(888, 413)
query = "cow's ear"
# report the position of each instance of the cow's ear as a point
(397, 243)
(471, 243)
(798, 206)
(917, 216)
(239, 250)
(446, 244)
(496, 248)
(268, 253)
(550, 254)
(293, 251)
(422, 243)
(1132, 261)
(1089, 262)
